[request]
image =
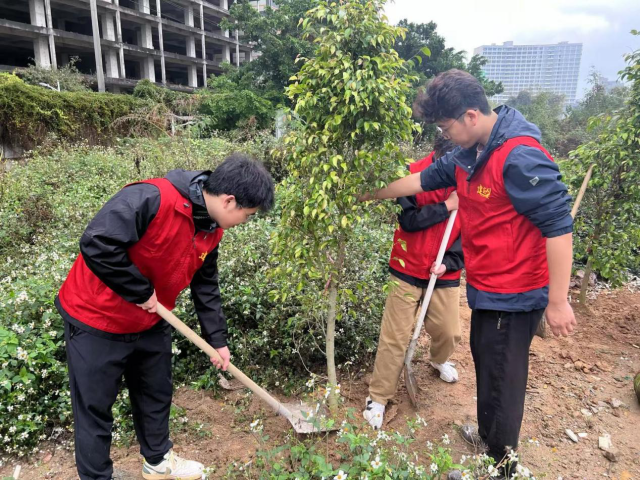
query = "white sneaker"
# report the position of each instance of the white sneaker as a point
(374, 413)
(447, 372)
(173, 467)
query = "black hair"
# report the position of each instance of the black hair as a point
(245, 178)
(442, 145)
(449, 95)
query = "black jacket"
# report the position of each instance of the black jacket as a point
(123, 220)
(415, 219)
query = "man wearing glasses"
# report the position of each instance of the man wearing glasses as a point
(516, 239)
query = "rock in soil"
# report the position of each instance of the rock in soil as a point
(572, 435)
(611, 454)
(615, 403)
(604, 442)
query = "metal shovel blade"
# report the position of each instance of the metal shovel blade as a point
(301, 416)
(411, 384)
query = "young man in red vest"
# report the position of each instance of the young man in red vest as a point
(149, 242)
(415, 246)
(516, 238)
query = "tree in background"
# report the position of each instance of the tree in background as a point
(545, 109)
(573, 129)
(351, 101)
(608, 228)
(441, 58)
(276, 35)
(225, 106)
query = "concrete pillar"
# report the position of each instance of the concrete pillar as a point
(204, 46)
(148, 69)
(226, 53)
(146, 36)
(97, 48)
(144, 6)
(192, 72)
(41, 52)
(110, 55)
(111, 60)
(188, 16)
(161, 41)
(147, 66)
(40, 45)
(237, 50)
(108, 27)
(123, 72)
(191, 47)
(37, 12)
(52, 41)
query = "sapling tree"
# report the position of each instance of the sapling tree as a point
(608, 226)
(350, 103)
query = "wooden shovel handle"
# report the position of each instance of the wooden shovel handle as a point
(583, 189)
(199, 342)
(426, 299)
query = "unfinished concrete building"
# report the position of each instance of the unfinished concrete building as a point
(178, 43)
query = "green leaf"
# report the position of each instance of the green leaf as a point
(426, 51)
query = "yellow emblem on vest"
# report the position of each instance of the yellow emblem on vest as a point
(203, 256)
(484, 191)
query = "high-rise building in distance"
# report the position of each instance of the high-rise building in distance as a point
(534, 68)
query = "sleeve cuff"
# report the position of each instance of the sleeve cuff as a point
(559, 232)
(218, 343)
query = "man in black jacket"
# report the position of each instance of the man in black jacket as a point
(151, 240)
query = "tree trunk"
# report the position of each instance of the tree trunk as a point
(585, 282)
(330, 346)
(331, 325)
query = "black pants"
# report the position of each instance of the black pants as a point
(96, 368)
(500, 344)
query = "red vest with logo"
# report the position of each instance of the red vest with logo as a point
(503, 251)
(418, 250)
(168, 254)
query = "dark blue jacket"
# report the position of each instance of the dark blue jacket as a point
(546, 205)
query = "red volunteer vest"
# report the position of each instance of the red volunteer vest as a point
(422, 247)
(168, 254)
(503, 251)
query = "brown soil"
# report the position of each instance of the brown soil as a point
(570, 378)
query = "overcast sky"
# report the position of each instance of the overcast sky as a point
(602, 26)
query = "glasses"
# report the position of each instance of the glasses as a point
(443, 131)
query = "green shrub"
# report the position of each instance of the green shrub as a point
(67, 78)
(225, 106)
(30, 113)
(45, 205)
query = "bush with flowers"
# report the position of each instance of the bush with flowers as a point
(45, 204)
(359, 453)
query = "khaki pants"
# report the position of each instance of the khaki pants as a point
(442, 323)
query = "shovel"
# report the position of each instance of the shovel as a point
(297, 414)
(542, 326)
(409, 377)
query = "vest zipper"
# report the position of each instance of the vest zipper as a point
(499, 319)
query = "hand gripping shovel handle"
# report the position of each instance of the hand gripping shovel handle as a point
(199, 342)
(432, 283)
